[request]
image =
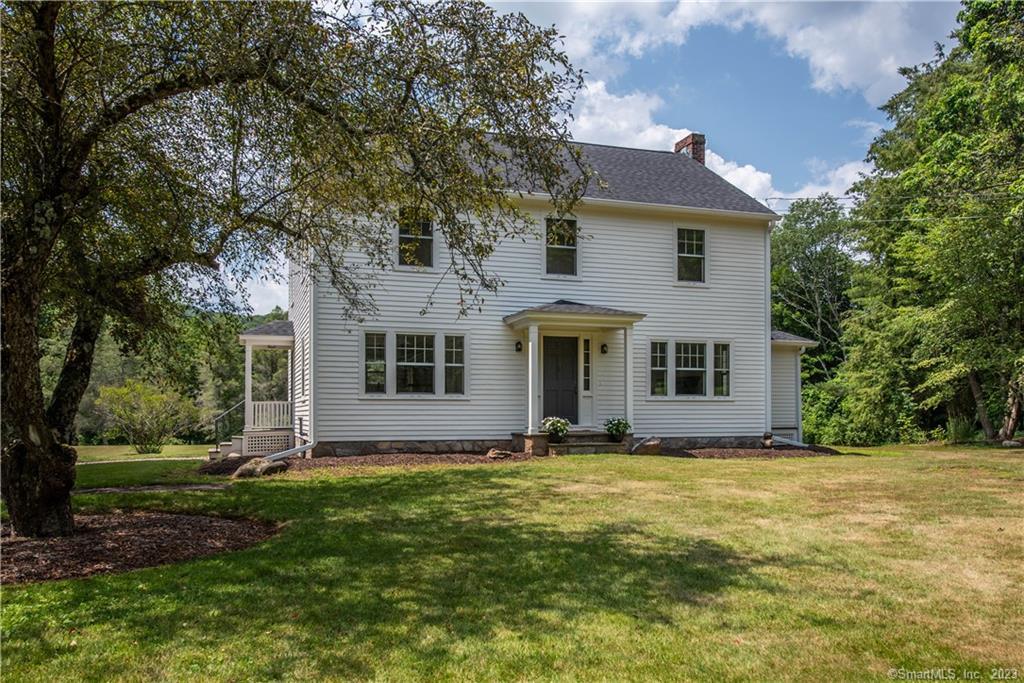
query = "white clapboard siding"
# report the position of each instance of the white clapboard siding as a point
(626, 261)
(299, 299)
(785, 394)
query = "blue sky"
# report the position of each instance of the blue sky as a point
(786, 93)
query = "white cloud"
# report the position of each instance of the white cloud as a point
(851, 46)
(628, 120)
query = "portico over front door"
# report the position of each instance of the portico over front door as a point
(561, 381)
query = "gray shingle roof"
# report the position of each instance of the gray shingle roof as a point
(779, 335)
(662, 177)
(274, 328)
(563, 306)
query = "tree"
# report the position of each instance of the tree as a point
(146, 415)
(940, 304)
(812, 270)
(155, 152)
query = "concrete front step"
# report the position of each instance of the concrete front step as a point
(586, 447)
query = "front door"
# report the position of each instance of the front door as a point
(561, 397)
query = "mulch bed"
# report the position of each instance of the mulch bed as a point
(770, 453)
(399, 460)
(120, 542)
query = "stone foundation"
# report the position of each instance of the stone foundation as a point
(671, 445)
(342, 448)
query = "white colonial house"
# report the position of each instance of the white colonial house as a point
(659, 312)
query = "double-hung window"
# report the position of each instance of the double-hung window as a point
(691, 369)
(721, 369)
(698, 369)
(375, 363)
(414, 363)
(659, 368)
(415, 240)
(454, 364)
(560, 253)
(428, 364)
(690, 255)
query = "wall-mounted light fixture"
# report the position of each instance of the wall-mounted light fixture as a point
(519, 347)
(604, 349)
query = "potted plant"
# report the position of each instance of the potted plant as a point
(556, 428)
(617, 428)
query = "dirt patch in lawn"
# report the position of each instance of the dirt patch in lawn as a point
(225, 466)
(399, 460)
(120, 542)
(729, 453)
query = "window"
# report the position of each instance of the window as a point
(560, 254)
(659, 368)
(721, 369)
(375, 363)
(415, 240)
(586, 364)
(454, 365)
(303, 364)
(690, 255)
(690, 369)
(414, 362)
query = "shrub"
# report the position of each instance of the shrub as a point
(146, 415)
(617, 427)
(960, 430)
(556, 428)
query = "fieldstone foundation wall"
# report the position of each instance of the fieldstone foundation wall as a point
(676, 444)
(341, 448)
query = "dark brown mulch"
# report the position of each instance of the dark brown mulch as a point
(225, 465)
(400, 460)
(120, 542)
(731, 453)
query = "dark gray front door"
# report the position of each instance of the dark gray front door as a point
(560, 381)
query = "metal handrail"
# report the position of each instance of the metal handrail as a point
(225, 417)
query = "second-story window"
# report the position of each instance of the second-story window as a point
(415, 240)
(690, 255)
(561, 252)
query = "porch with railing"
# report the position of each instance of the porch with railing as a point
(271, 414)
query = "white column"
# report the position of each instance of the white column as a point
(533, 380)
(627, 352)
(248, 386)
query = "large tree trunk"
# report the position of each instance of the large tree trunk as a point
(979, 402)
(37, 471)
(1014, 410)
(75, 374)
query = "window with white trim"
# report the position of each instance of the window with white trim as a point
(722, 363)
(415, 240)
(414, 363)
(454, 364)
(375, 363)
(691, 369)
(586, 364)
(659, 368)
(560, 250)
(690, 255)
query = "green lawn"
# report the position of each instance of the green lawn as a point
(124, 452)
(139, 473)
(589, 567)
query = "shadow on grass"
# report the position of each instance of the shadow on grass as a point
(409, 563)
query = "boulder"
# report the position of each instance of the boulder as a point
(248, 469)
(647, 447)
(498, 454)
(1012, 444)
(259, 467)
(271, 467)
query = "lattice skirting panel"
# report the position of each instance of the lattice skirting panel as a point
(266, 443)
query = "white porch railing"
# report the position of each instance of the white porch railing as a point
(271, 414)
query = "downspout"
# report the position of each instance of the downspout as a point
(314, 284)
(799, 395)
(768, 329)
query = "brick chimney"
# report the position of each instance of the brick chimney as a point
(692, 146)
